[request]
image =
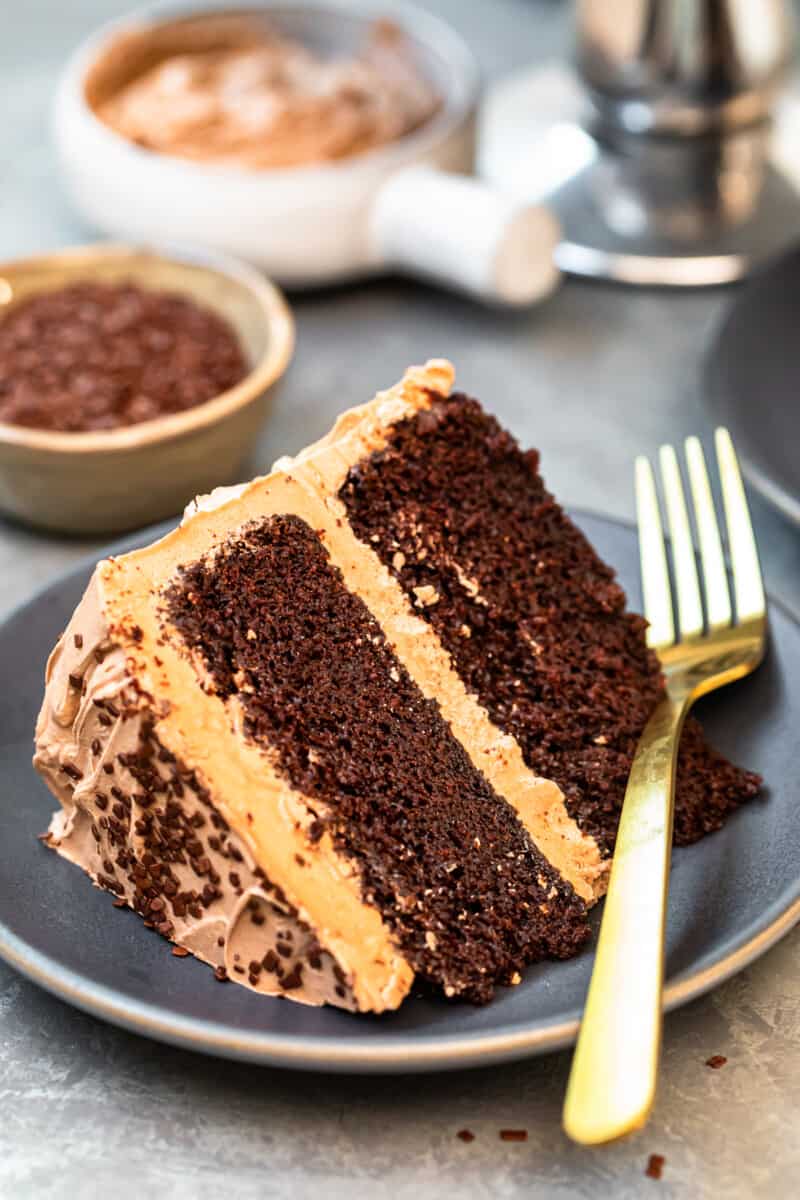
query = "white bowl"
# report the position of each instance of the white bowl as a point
(397, 207)
(304, 225)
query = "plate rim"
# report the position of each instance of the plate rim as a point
(438, 1052)
(773, 492)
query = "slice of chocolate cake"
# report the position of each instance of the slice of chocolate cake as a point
(366, 719)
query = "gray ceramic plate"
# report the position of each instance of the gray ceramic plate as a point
(753, 380)
(732, 896)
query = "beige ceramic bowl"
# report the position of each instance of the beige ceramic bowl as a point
(119, 479)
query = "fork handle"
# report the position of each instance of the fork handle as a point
(613, 1078)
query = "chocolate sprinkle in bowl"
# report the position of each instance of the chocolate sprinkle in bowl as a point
(182, 348)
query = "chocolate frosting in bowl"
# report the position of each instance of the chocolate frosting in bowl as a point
(230, 90)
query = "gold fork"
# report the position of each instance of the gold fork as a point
(613, 1078)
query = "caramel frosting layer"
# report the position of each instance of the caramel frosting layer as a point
(292, 882)
(231, 90)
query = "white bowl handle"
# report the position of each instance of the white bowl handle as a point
(463, 234)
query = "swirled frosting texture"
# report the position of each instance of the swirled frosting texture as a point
(144, 827)
(232, 91)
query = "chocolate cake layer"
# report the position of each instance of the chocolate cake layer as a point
(444, 859)
(534, 622)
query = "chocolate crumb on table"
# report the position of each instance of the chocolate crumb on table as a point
(655, 1166)
(466, 1135)
(513, 1135)
(716, 1061)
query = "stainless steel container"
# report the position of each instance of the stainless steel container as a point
(683, 66)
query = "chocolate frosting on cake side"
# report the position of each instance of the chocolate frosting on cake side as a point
(144, 828)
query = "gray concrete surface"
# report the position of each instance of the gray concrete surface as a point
(592, 378)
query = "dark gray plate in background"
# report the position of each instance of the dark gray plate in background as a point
(732, 895)
(753, 380)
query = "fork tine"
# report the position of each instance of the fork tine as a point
(687, 588)
(747, 583)
(653, 559)
(715, 579)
